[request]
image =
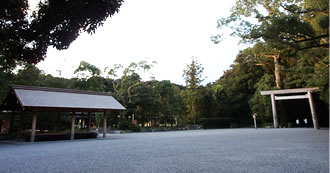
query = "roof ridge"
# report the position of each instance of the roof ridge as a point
(63, 90)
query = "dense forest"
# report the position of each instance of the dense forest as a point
(289, 49)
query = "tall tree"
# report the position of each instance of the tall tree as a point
(193, 77)
(193, 74)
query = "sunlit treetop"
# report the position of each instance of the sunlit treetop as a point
(300, 24)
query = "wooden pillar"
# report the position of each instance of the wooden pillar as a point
(11, 122)
(58, 121)
(34, 124)
(20, 126)
(89, 122)
(72, 125)
(275, 120)
(314, 116)
(105, 124)
(1, 125)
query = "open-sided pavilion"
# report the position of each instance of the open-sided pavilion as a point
(304, 93)
(37, 99)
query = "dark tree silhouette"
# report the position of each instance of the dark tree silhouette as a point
(25, 37)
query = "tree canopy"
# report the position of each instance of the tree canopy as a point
(300, 24)
(57, 23)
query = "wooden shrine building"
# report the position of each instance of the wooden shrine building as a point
(36, 99)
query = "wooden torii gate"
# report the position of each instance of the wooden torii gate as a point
(307, 94)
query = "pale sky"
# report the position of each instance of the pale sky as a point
(167, 31)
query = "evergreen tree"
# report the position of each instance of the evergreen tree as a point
(193, 77)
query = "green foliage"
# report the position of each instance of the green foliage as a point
(86, 67)
(300, 24)
(193, 74)
(193, 77)
(92, 81)
(170, 102)
(29, 75)
(14, 39)
(235, 88)
(56, 23)
(291, 40)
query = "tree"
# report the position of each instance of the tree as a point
(145, 66)
(92, 81)
(193, 74)
(14, 41)
(137, 96)
(146, 103)
(300, 24)
(29, 75)
(55, 23)
(170, 102)
(193, 77)
(86, 67)
(291, 42)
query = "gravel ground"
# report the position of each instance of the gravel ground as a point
(223, 150)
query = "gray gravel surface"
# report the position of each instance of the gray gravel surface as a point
(223, 150)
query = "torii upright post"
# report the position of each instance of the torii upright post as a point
(314, 116)
(275, 119)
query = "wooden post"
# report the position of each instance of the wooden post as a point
(11, 123)
(2, 125)
(274, 111)
(314, 116)
(58, 121)
(255, 120)
(20, 127)
(89, 122)
(34, 124)
(72, 125)
(105, 124)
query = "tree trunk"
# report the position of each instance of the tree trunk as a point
(129, 94)
(277, 71)
(121, 96)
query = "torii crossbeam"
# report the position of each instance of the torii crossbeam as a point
(308, 96)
